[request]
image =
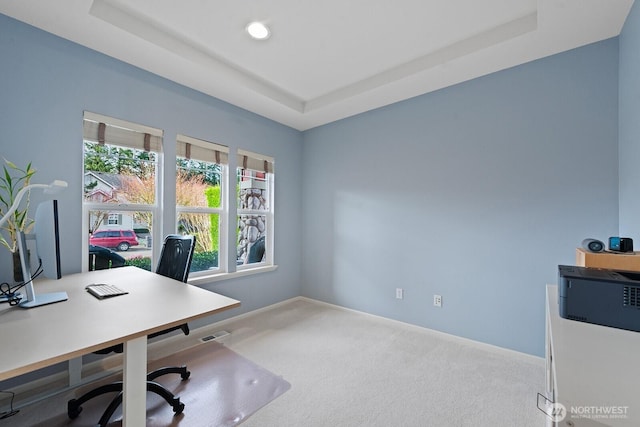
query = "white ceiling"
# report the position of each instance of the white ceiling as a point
(329, 59)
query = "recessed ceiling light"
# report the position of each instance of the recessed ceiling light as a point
(258, 31)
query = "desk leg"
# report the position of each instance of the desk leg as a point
(75, 371)
(134, 405)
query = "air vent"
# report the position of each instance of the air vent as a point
(217, 336)
(631, 297)
(579, 318)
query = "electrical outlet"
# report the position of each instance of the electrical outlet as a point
(399, 293)
(437, 300)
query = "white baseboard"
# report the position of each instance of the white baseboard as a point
(445, 335)
(32, 391)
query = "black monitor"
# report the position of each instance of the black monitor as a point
(47, 254)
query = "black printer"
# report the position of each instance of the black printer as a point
(600, 296)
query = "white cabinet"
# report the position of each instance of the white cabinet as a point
(593, 371)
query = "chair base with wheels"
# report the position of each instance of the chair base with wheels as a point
(74, 406)
(175, 262)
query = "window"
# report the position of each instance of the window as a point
(121, 163)
(123, 204)
(255, 210)
(201, 182)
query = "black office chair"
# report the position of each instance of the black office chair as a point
(175, 262)
(101, 258)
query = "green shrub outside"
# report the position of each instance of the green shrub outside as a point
(141, 262)
(200, 262)
(204, 261)
(213, 201)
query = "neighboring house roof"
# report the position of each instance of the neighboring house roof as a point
(113, 181)
(110, 179)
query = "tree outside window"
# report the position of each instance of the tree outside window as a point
(200, 180)
(120, 187)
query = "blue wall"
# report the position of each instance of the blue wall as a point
(47, 82)
(475, 192)
(629, 116)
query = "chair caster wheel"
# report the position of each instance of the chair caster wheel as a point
(73, 410)
(185, 375)
(178, 407)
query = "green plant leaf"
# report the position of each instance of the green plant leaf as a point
(11, 182)
(7, 177)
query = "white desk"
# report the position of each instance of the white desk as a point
(590, 367)
(42, 336)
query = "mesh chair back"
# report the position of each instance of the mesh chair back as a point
(176, 255)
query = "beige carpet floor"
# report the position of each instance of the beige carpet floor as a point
(351, 369)
(223, 390)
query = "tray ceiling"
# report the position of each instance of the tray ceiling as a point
(327, 60)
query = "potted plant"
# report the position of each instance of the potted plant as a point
(13, 179)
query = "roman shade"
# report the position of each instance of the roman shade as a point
(204, 151)
(256, 162)
(106, 130)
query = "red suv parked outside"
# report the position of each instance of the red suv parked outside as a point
(119, 239)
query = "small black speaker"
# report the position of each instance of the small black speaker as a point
(592, 245)
(620, 244)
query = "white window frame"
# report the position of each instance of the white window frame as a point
(155, 210)
(222, 211)
(255, 163)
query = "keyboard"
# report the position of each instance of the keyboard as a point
(102, 290)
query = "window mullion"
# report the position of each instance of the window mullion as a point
(195, 209)
(120, 207)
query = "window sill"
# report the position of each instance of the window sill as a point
(226, 276)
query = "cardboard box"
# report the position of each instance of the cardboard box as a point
(611, 260)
